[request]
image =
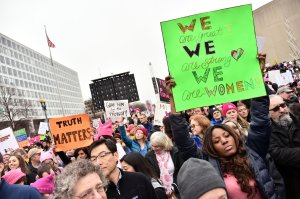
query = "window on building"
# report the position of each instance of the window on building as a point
(19, 74)
(7, 60)
(2, 59)
(9, 43)
(4, 70)
(4, 41)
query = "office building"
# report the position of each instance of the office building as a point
(116, 87)
(278, 23)
(31, 76)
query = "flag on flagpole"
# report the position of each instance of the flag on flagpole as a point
(50, 44)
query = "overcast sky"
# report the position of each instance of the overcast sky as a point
(96, 37)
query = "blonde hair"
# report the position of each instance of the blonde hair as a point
(162, 140)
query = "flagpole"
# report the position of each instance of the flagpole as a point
(54, 74)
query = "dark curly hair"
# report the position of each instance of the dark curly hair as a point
(237, 164)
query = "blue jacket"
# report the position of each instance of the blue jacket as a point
(214, 122)
(13, 191)
(133, 145)
(198, 141)
(257, 145)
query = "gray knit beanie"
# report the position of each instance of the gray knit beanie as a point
(196, 177)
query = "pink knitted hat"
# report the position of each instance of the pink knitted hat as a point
(144, 130)
(45, 156)
(13, 176)
(104, 129)
(228, 106)
(44, 185)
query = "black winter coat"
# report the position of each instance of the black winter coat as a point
(285, 150)
(257, 144)
(184, 149)
(131, 185)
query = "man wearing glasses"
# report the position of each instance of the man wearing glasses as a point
(287, 94)
(285, 144)
(122, 184)
(34, 155)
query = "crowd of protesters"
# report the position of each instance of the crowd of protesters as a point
(248, 149)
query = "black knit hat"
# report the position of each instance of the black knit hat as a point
(212, 110)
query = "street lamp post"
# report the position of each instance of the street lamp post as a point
(44, 107)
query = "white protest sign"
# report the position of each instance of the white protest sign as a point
(286, 77)
(7, 140)
(280, 78)
(161, 110)
(43, 128)
(116, 108)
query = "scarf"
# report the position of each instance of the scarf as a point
(167, 179)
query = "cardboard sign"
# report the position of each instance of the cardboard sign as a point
(71, 132)
(161, 110)
(7, 141)
(116, 108)
(162, 91)
(212, 57)
(21, 137)
(43, 128)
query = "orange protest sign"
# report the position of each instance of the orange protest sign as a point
(71, 132)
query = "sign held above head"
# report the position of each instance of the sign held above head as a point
(213, 57)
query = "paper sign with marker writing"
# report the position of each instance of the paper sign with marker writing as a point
(21, 137)
(8, 141)
(43, 128)
(116, 108)
(162, 91)
(161, 110)
(71, 132)
(212, 57)
(280, 78)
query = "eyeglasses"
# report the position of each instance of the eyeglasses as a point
(90, 193)
(100, 156)
(277, 108)
(194, 126)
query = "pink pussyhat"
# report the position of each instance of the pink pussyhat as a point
(103, 129)
(44, 185)
(13, 176)
(45, 156)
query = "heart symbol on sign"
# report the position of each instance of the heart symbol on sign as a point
(236, 54)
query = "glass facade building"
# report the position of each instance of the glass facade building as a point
(31, 76)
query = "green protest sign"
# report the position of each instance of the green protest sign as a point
(212, 57)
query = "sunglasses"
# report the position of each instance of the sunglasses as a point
(276, 108)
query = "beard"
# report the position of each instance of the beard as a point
(284, 121)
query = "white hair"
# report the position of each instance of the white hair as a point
(161, 139)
